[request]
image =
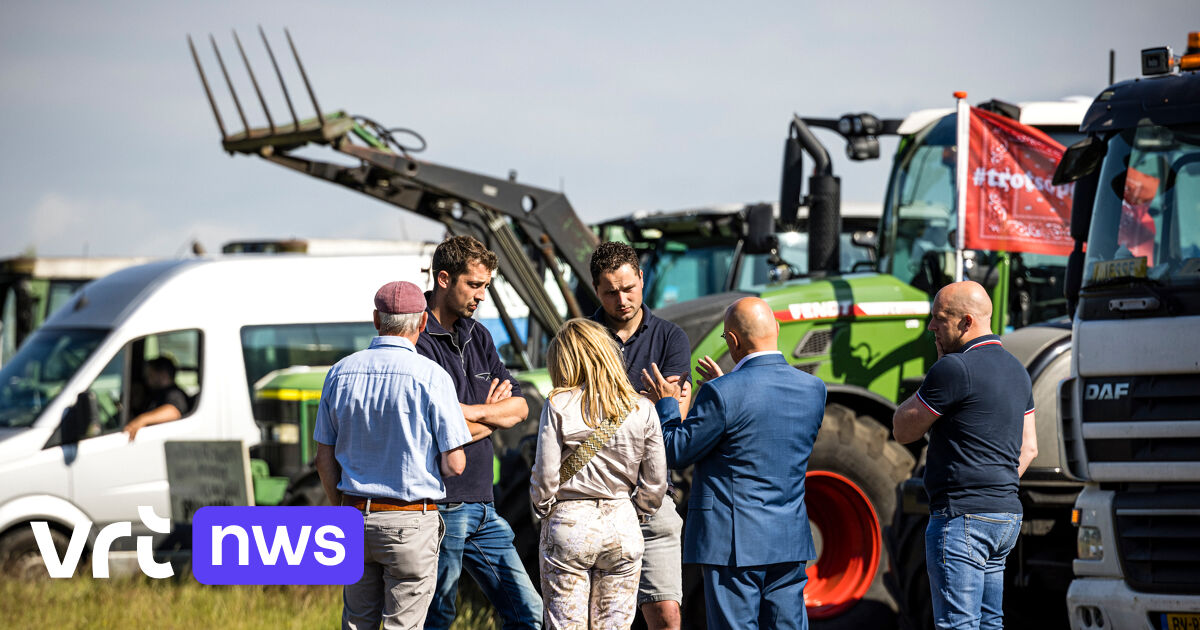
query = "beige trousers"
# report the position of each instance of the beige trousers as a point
(399, 572)
(591, 557)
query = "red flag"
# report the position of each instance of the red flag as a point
(1011, 205)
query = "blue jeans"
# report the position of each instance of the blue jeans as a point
(965, 558)
(770, 597)
(482, 541)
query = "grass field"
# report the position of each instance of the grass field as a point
(143, 603)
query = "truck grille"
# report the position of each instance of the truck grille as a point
(1124, 419)
(1158, 538)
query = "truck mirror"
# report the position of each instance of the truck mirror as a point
(1082, 201)
(1079, 160)
(760, 229)
(791, 181)
(79, 417)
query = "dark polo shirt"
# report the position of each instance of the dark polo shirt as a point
(468, 354)
(981, 395)
(655, 341)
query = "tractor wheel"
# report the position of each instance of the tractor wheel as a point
(21, 559)
(850, 492)
(908, 581)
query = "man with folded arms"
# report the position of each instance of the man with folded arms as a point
(389, 429)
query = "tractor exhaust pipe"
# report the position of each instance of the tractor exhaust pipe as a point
(823, 199)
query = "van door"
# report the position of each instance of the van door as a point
(112, 474)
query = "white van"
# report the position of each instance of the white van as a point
(229, 323)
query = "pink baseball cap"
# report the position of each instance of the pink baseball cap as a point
(399, 297)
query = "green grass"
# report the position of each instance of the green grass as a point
(143, 603)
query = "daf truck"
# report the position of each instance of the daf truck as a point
(1131, 408)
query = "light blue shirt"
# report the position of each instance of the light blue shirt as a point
(388, 412)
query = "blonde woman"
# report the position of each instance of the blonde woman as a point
(600, 466)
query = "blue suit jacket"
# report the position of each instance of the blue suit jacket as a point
(749, 433)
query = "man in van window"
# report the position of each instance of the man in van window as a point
(164, 400)
(389, 431)
(477, 538)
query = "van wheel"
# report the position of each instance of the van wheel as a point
(20, 557)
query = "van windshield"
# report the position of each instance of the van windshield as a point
(35, 376)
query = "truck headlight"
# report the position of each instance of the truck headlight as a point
(1089, 544)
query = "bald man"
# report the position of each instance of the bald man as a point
(976, 403)
(746, 523)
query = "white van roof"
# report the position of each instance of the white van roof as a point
(246, 288)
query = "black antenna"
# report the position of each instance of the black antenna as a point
(1112, 66)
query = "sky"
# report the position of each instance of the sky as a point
(109, 147)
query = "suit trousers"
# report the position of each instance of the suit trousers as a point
(769, 596)
(399, 571)
(590, 561)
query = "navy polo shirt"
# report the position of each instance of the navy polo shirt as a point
(981, 395)
(468, 354)
(655, 341)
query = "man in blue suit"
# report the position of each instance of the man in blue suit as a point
(749, 434)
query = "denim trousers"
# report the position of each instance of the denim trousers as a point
(480, 541)
(965, 558)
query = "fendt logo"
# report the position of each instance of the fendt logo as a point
(65, 567)
(232, 545)
(1106, 391)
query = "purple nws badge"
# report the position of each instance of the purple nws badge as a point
(277, 545)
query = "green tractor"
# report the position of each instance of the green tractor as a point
(858, 322)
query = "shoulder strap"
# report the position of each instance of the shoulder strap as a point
(596, 441)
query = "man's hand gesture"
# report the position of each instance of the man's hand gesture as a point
(708, 369)
(499, 390)
(658, 386)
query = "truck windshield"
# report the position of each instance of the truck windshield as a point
(35, 376)
(681, 273)
(1146, 222)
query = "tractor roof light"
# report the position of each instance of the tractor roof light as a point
(1191, 59)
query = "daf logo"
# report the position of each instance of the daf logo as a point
(1107, 391)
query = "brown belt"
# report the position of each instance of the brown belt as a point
(386, 505)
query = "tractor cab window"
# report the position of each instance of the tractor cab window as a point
(920, 211)
(681, 273)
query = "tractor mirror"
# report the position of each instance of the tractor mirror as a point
(791, 180)
(760, 229)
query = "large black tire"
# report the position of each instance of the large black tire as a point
(860, 449)
(20, 558)
(908, 580)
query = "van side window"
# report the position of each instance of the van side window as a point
(148, 374)
(285, 370)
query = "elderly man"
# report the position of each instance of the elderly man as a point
(386, 413)
(977, 405)
(747, 524)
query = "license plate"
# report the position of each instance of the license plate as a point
(1179, 621)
